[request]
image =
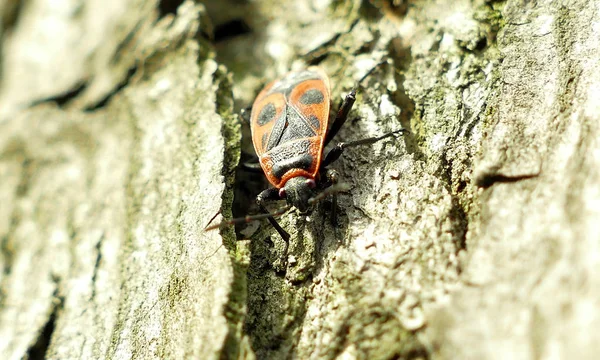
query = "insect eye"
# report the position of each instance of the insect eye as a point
(282, 193)
(311, 183)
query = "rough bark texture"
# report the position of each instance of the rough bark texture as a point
(474, 236)
(104, 202)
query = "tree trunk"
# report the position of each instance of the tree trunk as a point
(473, 236)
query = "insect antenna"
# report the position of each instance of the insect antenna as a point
(248, 218)
(372, 70)
(334, 189)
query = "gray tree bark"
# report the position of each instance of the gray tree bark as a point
(474, 236)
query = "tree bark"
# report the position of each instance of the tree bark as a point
(473, 236)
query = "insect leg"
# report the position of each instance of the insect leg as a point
(346, 106)
(337, 151)
(332, 177)
(270, 195)
(245, 114)
(341, 116)
(253, 167)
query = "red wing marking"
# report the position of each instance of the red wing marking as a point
(270, 110)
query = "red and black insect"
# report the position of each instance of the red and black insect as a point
(289, 124)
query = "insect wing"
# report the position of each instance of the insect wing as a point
(289, 122)
(268, 110)
(310, 100)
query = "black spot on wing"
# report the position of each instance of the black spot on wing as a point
(263, 140)
(312, 96)
(314, 122)
(267, 114)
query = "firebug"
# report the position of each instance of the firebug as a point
(290, 129)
